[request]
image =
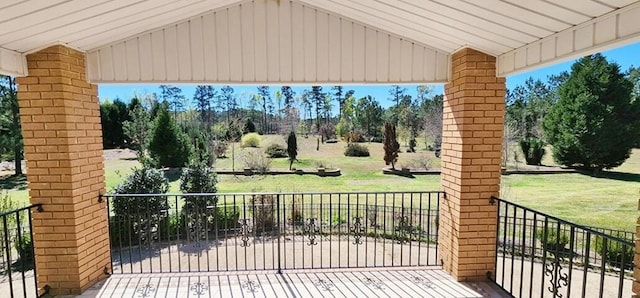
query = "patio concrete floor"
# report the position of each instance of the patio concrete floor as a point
(382, 282)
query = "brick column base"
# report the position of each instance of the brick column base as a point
(60, 117)
(471, 154)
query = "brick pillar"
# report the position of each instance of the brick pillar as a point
(60, 117)
(471, 151)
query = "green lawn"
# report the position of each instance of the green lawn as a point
(358, 173)
(610, 201)
(607, 201)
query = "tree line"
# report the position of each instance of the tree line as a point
(172, 127)
(590, 116)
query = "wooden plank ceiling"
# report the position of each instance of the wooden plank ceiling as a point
(262, 41)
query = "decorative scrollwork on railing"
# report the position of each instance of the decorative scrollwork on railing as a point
(197, 228)
(357, 230)
(558, 279)
(147, 232)
(403, 230)
(245, 231)
(311, 230)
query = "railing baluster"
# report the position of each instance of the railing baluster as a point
(504, 241)
(572, 232)
(438, 218)
(533, 252)
(207, 243)
(33, 250)
(586, 264)
(365, 219)
(414, 229)
(149, 236)
(603, 265)
(622, 269)
(177, 236)
(331, 230)
(523, 247)
(513, 248)
(554, 234)
(20, 240)
(166, 201)
(281, 225)
(7, 247)
(545, 238)
(235, 239)
(305, 222)
(320, 221)
(339, 228)
(422, 226)
(393, 226)
(375, 230)
(497, 246)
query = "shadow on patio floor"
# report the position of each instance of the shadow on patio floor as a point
(426, 282)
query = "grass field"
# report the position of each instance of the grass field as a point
(609, 201)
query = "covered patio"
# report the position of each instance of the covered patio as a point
(429, 282)
(60, 50)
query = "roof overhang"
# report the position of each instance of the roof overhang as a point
(12, 63)
(611, 30)
(308, 41)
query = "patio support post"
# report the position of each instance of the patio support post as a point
(471, 165)
(60, 117)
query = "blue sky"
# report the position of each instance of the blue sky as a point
(625, 56)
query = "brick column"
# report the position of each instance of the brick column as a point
(471, 150)
(60, 117)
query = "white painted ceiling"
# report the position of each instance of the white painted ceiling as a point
(516, 31)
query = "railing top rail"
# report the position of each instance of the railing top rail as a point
(114, 195)
(562, 221)
(20, 209)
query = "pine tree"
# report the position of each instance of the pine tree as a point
(391, 145)
(396, 94)
(265, 96)
(318, 98)
(288, 95)
(168, 145)
(174, 96)
(137, 129)
(292, 148)
(203, 96)
(595, 121)
(227, 100)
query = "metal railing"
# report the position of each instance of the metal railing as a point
(539, 255)
(272, 231)
(17, 267)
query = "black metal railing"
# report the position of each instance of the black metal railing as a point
(17, 267)
(272, 231)
(539, 255)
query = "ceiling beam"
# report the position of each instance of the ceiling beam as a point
(12, 63)
(611, 30)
